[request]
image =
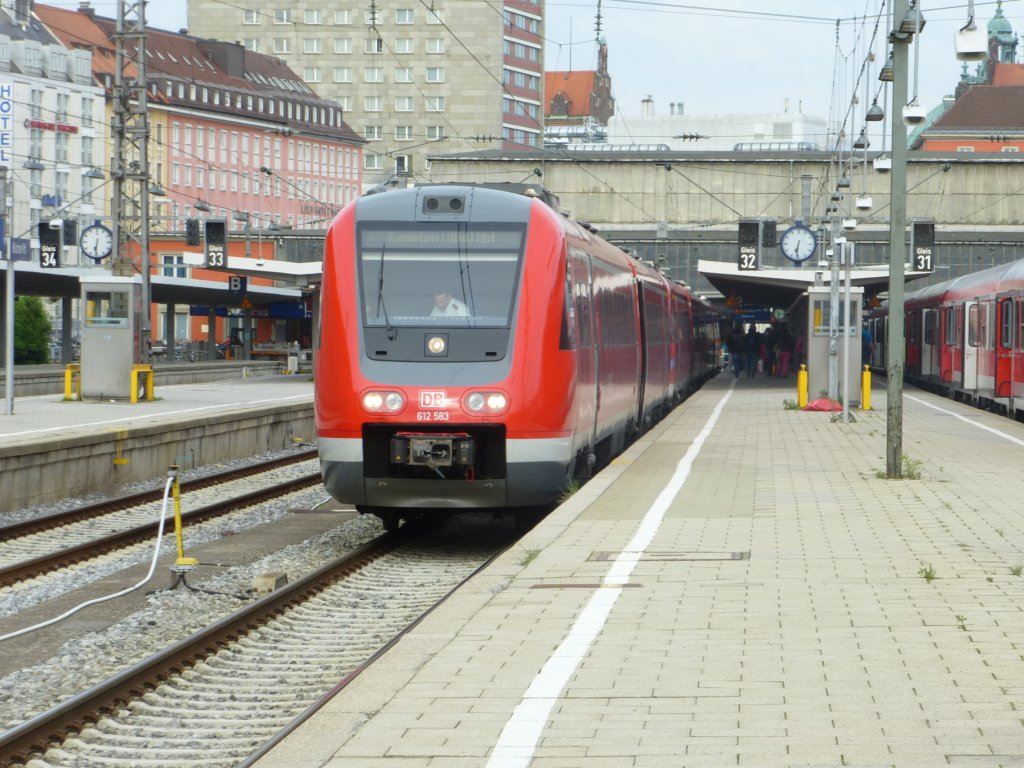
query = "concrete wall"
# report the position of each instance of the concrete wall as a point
(66, 467)
(49, 379)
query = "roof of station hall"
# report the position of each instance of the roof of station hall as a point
(181, 58)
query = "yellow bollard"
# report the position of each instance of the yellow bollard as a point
(182, 564)
(801, 386)
(73, 380)
(865, 389)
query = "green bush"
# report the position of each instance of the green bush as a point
(31, 332)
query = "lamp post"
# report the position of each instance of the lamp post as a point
(8, 297)
(895, 352)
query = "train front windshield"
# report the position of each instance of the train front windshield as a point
(439, 274)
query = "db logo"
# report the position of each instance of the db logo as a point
(433, 399)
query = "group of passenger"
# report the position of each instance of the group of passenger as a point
(773, 352)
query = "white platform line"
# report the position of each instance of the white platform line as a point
(521, 734)
(972, 422)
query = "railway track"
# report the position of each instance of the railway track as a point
(35, 547)
(214, 698)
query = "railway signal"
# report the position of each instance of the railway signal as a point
(749, 238)
(49, 245)
(922, 246)
(216, 243)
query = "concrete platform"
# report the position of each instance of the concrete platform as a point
(52, 449)
(739, 588)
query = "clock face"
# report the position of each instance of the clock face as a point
(798, 243)
(96, 242)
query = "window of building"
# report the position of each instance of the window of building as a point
(87, 107)
(373, 74)
(435, 74)
(345, 102)
(311, 74)
(403, 132)
(374, 17)
(403, 75)
(250, 16)
(435, 45)
(281, 45)
(61, 147)
(403, 104)
(343, 45)
(435, 17)
(282, 16)
(435, 103)
(373, 103)
(343, 74)
(342, 16)
(405, 16)
(435, 132)
(373, 132)
(312, 45)
(312, 16)
(405, 45)
(373, 162)
(374, 45)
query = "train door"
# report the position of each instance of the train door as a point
(1017, 364)
(930, 344)
(587, 391)
(1005, 321)
(949, 347)
(971, 343)
(912, 331)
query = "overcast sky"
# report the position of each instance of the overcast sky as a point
(728, 56)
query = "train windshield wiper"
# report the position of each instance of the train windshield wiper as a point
(381, 306)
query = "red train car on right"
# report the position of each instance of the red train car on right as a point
(965, 338)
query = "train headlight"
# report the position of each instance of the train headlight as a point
(377, 402)
(436, 345)
(485, 403)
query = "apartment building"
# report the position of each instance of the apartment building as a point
(414, 80)
(52, 133)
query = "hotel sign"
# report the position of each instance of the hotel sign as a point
(47, 125)
(6, 123)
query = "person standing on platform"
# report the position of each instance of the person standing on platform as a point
(753, 350)
(785, 352)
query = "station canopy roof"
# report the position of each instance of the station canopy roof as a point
(31, 279)
(782, 287)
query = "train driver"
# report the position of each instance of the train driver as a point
(446, 306)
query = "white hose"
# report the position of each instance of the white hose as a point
(152, 567)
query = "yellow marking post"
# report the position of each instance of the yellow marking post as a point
(146, 372)
(73, 380)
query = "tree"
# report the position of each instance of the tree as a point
(31, 331)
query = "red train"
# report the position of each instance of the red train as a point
(479, 349)
(965, 337)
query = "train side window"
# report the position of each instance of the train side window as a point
(1020, 324)
(1006, 324)
(972, 325)
(929, 326)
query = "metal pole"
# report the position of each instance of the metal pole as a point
(847, 265)
(895, 352)
(833, 318)
(8, 299)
